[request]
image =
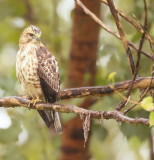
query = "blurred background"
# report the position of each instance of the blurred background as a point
(87, 56)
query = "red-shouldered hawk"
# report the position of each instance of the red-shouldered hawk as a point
(37, 72)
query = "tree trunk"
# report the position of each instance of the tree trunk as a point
(82, 69)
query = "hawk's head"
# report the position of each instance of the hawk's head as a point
(30, 34)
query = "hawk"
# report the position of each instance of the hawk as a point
(37, 72)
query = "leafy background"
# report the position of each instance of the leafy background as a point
(23, 135)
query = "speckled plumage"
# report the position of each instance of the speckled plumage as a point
(37, 72)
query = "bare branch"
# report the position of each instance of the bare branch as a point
(142, 82)
(97, 20)
(122, 35)
(15, 101)
(143, 52)
(132, 22)
(122, 104)
(140, 47)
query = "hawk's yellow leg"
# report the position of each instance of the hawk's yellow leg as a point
(34, 101)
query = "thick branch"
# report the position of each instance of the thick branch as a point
(142, 82)
(15, 101)
(18, 101)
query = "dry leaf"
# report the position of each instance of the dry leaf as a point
(86, 126)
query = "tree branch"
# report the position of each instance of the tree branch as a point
(136, 69)
(15, 101)
(97, 20)
(131, 21)
(122, 35)
(142, 82)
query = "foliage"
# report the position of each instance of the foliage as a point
(147, 104)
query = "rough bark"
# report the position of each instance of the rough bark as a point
(82, 69)
(85, 114)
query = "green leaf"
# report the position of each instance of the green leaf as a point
(151, 119)
(111, 76)
(147, 104)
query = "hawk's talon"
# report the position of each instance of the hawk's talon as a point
(33, 102)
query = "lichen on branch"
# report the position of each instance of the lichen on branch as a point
(144, 82)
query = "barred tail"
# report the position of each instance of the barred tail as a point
(52, 120)
(57, 123)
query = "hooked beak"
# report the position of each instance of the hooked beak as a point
(37, 37)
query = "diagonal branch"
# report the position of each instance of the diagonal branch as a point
(132, 22)
(122, 104)
(122, 35)
(98, 21)
(15, 101)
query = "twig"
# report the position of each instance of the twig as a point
(97, 20)
(143, 52)
(122, 35)
(142, 96)
(126, 98)
(140, 46)
(132, 22)
(122, 104)
(18, 101)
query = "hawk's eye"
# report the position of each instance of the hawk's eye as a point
(30, 34)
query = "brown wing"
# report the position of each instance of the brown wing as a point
(48, 73)
(49, 80)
